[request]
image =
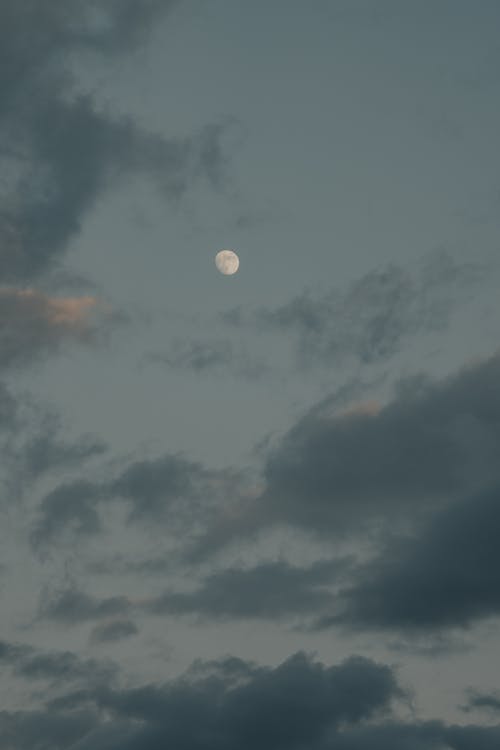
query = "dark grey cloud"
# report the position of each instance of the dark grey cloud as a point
(447, 575)
(55, 667)
(71, 507)
(180, 494)
(34, 444)
(173, 488)
(231, 703)
(72, 606)
(273, 590)
(443, 576)
(55, 673)
(115, 630)
(483, 701)
(346, 472)
(47, 451)
(269, 590)
(201, 357)
(377, 314)
(59, 150)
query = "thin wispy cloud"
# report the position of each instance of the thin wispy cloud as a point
(371, 320)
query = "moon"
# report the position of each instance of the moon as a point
(227, 262)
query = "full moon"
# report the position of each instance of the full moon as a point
(227, 262)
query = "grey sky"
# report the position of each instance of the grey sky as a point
(229, 500)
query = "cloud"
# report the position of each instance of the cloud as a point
(60, 151)
(172, 488)
(44, 452)
(33, 444)
(446, 575)
(115, 630)
(72, 607)
(478, 700)
(201, 357)
(370, 321)
(268, 590)
(179, 494)
(55, 667)
(34, 325)
(69, 507)
(273, 590)
(337, 473)
(230, 703)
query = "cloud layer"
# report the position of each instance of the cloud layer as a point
(226, 703)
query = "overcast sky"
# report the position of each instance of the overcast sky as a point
(259, 510)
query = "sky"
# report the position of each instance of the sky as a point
(258, 510)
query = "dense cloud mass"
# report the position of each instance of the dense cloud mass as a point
(225, 703)
(272, 590)
(344, 472)
(433, 440)
(447, 575)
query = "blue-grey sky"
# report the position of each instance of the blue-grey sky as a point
(260, 509)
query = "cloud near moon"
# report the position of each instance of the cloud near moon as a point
(227, 262)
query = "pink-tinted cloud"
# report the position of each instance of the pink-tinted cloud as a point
(34, 324)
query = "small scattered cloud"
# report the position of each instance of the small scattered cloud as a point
(179, 494)
(173, 488)
(113, 631)
(482, 701)
(34, 444)
(200, 357)
(69, 508)
(55, 667)
(71, 606)
(370, 321)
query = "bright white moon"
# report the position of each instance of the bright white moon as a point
(227, 262)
